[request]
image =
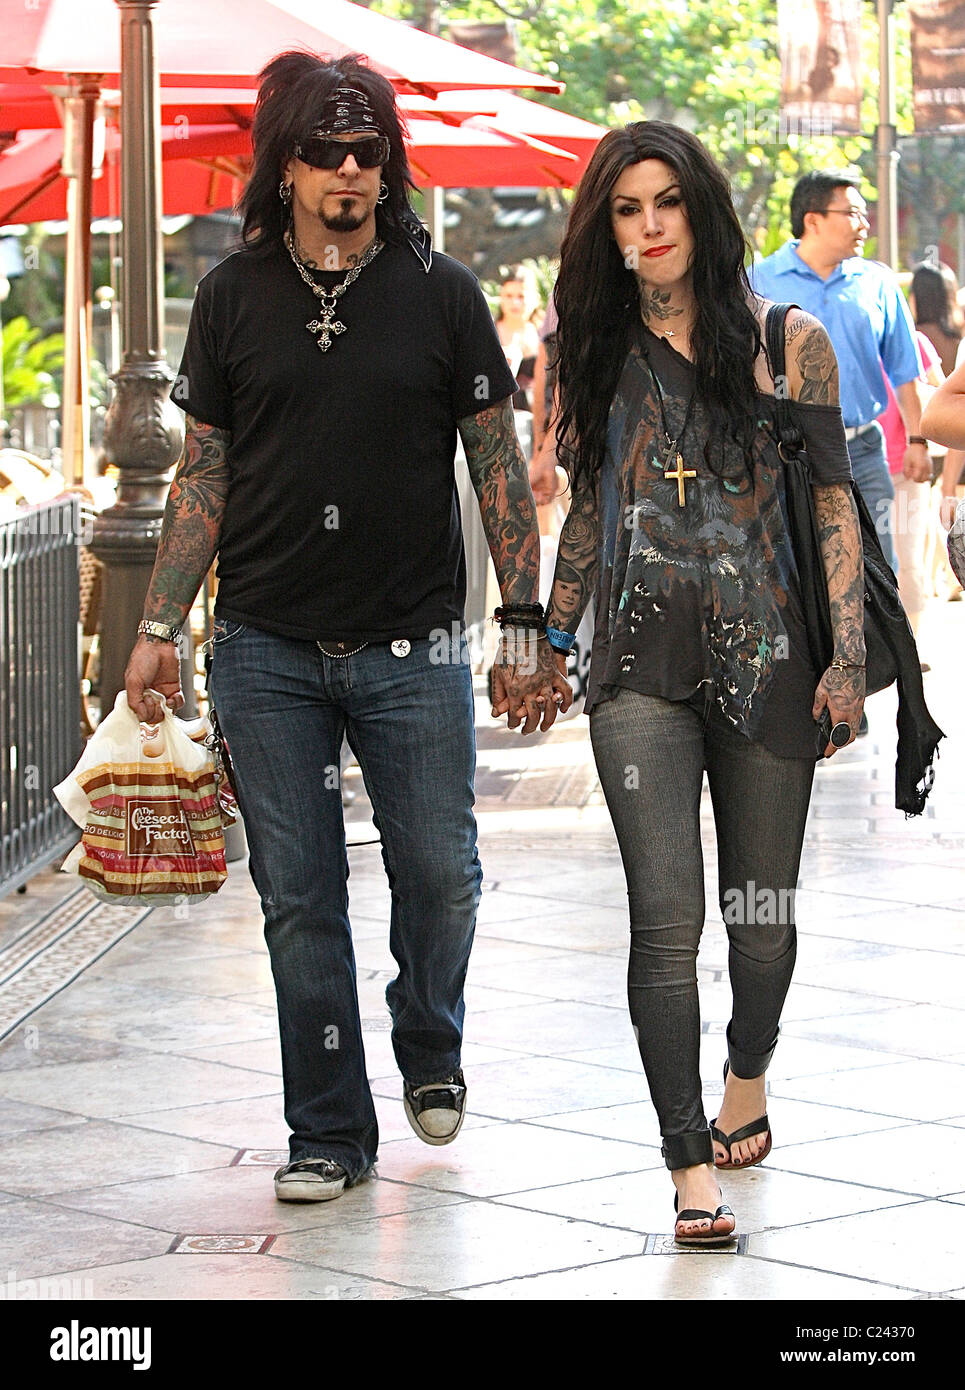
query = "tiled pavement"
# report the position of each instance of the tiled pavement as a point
(140, 1112)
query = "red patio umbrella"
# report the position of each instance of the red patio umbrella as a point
(222, 42)
(204, 168)
(503, 111)
(229, 41)
(29, 106)
(33, 189)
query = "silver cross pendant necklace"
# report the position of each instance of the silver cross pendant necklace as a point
(328, 326)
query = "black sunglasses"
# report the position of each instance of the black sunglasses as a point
(320, 152)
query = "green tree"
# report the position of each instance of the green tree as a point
(32, 365)
(38, 293)
(712, 65)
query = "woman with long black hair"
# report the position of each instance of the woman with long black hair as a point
(700, 660)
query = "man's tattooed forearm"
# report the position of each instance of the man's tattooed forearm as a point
(500, 477)
(191, 527)
(840, 538)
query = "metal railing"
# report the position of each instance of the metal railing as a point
(40, 739)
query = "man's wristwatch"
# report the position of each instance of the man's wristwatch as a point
(918, 439)
(163, 631)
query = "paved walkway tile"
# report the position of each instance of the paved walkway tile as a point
(141, 1106)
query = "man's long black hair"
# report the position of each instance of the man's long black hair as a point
(598, 299)
(293, 89)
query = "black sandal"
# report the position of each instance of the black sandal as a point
(709, 1239)
(760, 1126)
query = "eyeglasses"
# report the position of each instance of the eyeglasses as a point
(321, 152)
(855, 214)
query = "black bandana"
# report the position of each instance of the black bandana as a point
(348, 109)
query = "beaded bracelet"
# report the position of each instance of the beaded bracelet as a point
(528, 615)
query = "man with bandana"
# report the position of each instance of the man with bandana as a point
(329, 365)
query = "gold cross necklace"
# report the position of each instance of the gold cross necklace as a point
(679, 473)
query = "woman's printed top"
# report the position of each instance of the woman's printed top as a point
(704, 594)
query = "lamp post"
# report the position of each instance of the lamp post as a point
(82, 126)
(143, 431)
(886, 138)
(4, 291)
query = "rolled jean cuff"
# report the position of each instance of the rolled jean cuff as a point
(687, 1150)
(747, 1066)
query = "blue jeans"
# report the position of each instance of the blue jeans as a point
(870, 468)
(284, 706)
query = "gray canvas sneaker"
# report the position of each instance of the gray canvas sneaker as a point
(310, 1180)
(436, 1109)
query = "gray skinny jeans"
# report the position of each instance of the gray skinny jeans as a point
(651, 755)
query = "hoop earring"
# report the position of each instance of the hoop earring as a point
(285, 192)
(383, 192)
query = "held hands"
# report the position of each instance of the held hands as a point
(153, 666)
(842, 691)
(529, 681)
(543, 477)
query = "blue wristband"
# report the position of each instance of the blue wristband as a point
(560, 641)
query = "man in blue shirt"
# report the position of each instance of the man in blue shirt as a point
(862, 308)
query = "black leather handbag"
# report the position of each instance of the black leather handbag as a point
(889, 641)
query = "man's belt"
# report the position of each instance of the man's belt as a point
(856, 431)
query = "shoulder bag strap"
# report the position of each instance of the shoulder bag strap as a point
(788, 433)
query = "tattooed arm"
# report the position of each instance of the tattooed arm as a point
(812, 368)
(525, 679)
(190, 533)
(813, 376)
(501, 479)
(842, 690)
(577, 563)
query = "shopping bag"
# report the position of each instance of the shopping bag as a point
(147, 799)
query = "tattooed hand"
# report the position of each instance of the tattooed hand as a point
(527, 682)
(843, 694)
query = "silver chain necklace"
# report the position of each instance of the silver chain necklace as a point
(328, 324)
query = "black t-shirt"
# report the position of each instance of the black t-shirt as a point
(342, 519)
